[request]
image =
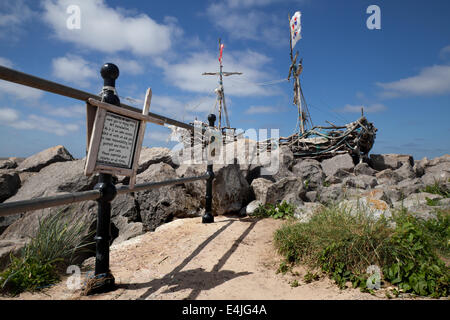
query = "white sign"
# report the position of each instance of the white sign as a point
(118, 141)
(115, 136)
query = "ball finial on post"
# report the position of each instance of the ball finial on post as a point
(109, 72)
(211, 119)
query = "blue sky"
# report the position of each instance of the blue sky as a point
(400, 73)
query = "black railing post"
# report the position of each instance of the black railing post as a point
(208, 217)
(104, 278)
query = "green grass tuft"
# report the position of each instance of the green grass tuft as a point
(54, 246)
(343, 244)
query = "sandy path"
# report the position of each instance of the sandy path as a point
(231, 259)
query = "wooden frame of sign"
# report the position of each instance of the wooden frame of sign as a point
(115, 138)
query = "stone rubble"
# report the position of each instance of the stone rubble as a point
(387, 182)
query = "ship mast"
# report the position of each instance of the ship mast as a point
(220, 100)
(298, 93)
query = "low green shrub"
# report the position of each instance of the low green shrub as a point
(343, 244)
(54, 246)
(27, 273)
(280, 211)
(437, 188)
(310, 277)
(413, 264)
(432, 202)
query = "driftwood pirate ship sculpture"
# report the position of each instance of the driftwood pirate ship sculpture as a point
(318, 142)
(355, 138)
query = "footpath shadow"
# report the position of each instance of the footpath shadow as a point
(197, 279)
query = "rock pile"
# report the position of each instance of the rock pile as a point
(388, 181)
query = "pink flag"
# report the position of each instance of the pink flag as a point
(221, 52)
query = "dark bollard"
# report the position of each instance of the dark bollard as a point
(208, 216)
(103, 280)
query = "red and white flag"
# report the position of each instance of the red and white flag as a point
(296, 28)
(221, 52)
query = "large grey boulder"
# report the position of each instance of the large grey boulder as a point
(285, 161)
(44, 158)
(388, 177)
(59, 178)
(8, 164)
(8, 248)
(439, 173)
(376, 194)
(361, 182)
(250, 208)
(410, 186)
(310, 171)
(374, 208)
(161, 205)
(438, 160)
(151, 156)
(419, 167)
(307, 211)
(389, 161)
(365, 169)
(6, 221)
(260, 187)
(331, 194)
(311, 196)
(406, 171)
(290, 189)
(9, 184)
(126, 217)
(392, 193)
(332, 165)
(252, 164)
(418, 204)
(231, 190)
(55, 178)
(27, 224)
(339, 176)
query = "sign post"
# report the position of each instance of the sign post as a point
(116, 139)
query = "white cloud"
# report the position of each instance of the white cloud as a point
(187, 75)
(13, 15)
(430, 81)
(373, 108)
(8, 115)
(74, 111)
(205, 104)
(166, 105)
(242, 22)
(445, 52)
(19, 91)
(180, 110)
(109, 30)
(74, 69)
(130, 66)
(158, 136)
(248, 3)
(13, 119)
(261, 110)
(6, 62)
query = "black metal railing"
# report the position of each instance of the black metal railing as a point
(104, 191)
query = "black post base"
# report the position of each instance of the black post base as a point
(100, 283)
(208, 218)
